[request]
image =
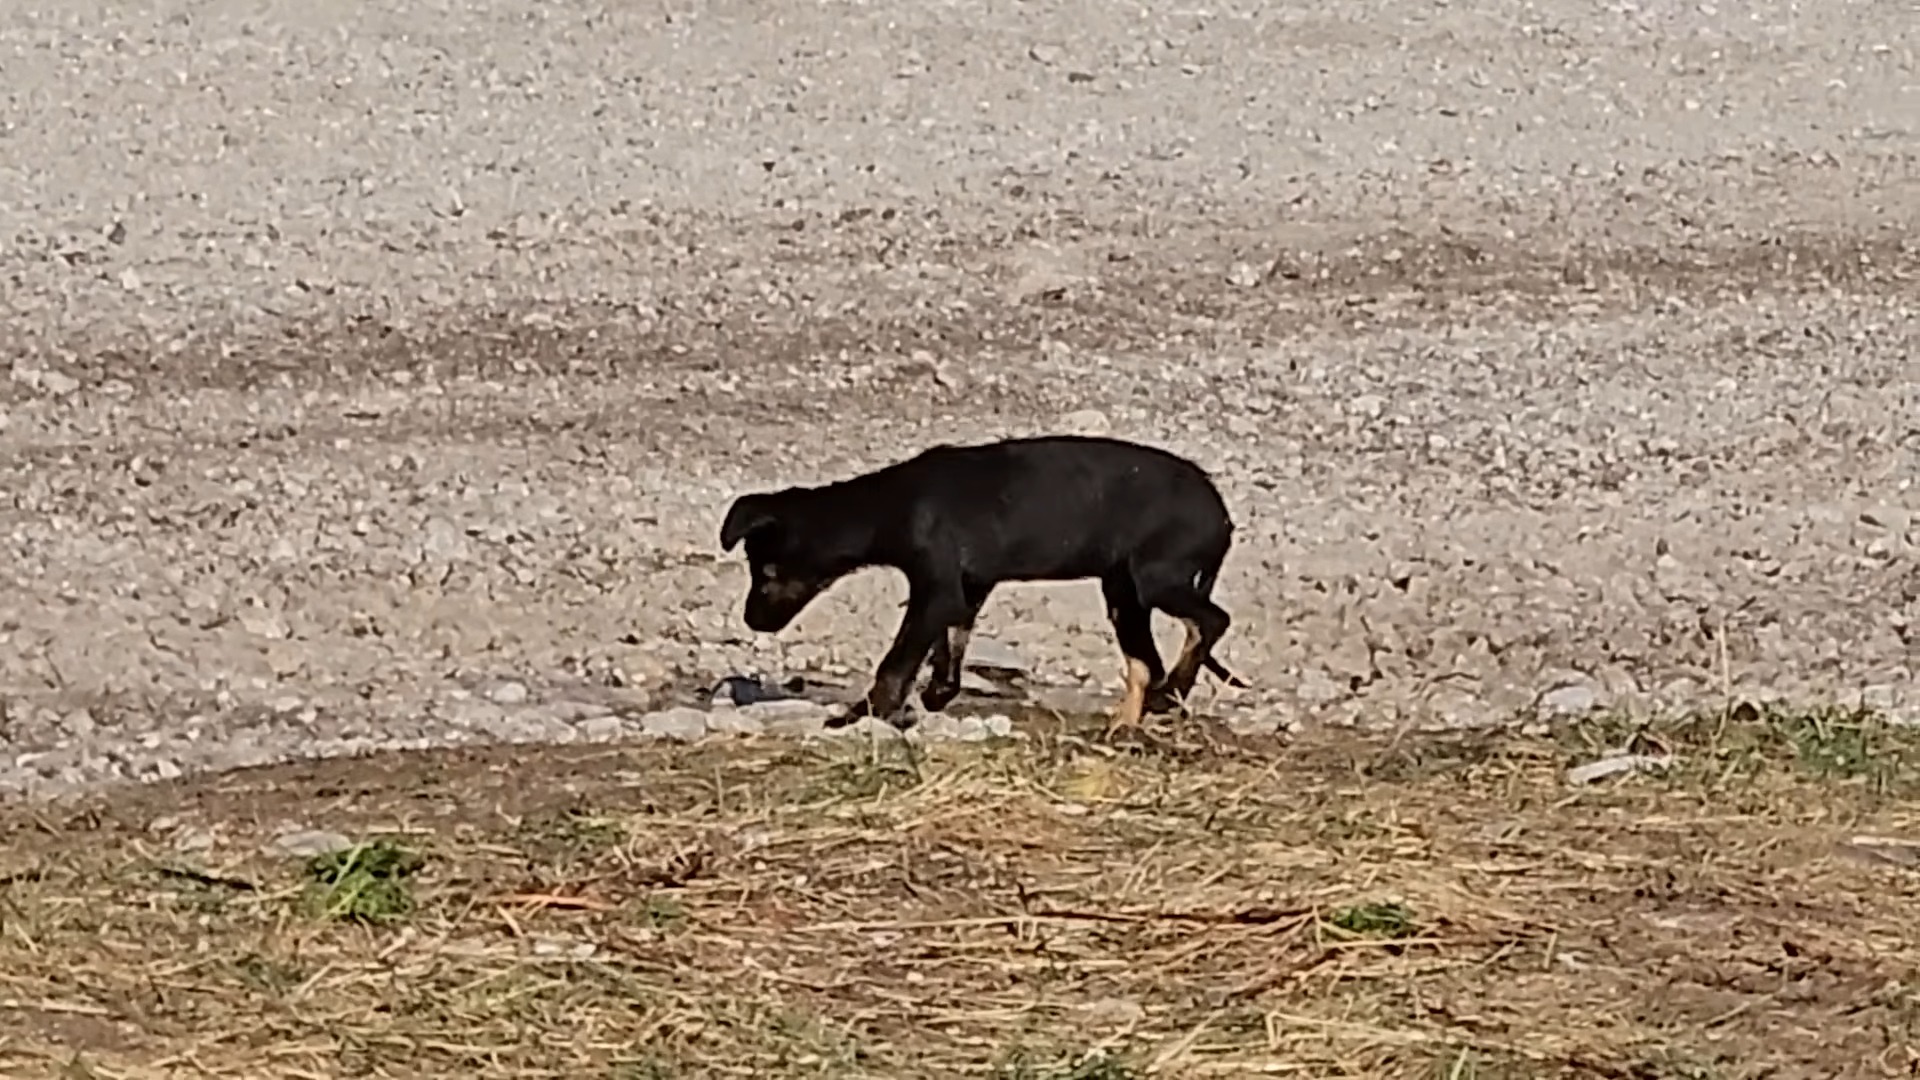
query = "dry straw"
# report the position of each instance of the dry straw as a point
(1341, 906)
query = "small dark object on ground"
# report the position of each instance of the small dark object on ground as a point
(961, 520)
(749, 689)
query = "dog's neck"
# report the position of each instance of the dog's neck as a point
(865, 524)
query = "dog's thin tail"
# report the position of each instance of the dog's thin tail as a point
(1222, 673)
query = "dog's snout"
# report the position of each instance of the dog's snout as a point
(762, 619)
(771, 605)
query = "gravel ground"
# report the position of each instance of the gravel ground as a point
(379, 376)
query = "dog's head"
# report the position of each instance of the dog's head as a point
(788, 567)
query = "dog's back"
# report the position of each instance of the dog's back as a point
(1051, 507)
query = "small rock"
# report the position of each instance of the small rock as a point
(1086, 422)
(1615, 766)
(266, 624)
(474, 715)
(1367, 405)
(1045, 54)
(445, 541)
(508, 693)
(1244, 275)
(1572, 700)
(733, 722)
(862, 729)
(79, 723)
(560, 947)
(935, 726)
(45, 380)
(600, 729)
(922, 364)
(566, 711)
(306, 844)
(286, 658)
(790, 709)
(682, 722)
(51, 764)
(1317, 689)
(999, 725)
(792, 719)
(989, 656)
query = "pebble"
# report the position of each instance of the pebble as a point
(47, 380)
(444, 541)
(732, 722)
(989, 656)
(1573, 700)
(508, 693)
(79, 723)
(683, 722)
(599, 729)
(791, 710)
(1367, 405)
(1086, 422)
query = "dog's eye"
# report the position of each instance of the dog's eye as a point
(770, 572)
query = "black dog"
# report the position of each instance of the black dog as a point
(960, 520)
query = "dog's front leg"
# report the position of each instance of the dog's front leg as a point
(930, 609)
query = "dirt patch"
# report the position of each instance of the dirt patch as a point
(1050, 907)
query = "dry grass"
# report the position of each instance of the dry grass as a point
(1342, 906)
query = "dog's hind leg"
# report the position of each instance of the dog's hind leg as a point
(1220, 672)
(1182, 592)
(1205, 624)
(1132, 625)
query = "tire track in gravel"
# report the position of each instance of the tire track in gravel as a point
(1637, 502)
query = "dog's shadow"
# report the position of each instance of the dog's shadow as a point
(1047, 714)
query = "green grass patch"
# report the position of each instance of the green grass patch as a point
(366, 883)
(1389, 921)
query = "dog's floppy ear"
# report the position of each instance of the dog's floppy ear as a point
(748, 514)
